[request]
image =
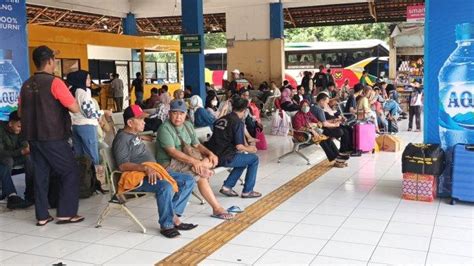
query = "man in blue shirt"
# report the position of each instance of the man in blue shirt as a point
(228, 143)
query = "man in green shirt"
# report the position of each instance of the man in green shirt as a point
(175, 138)
(14, 151)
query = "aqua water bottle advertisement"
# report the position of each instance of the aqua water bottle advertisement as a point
(13, 54)
(449, 77)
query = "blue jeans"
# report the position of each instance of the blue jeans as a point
(8, 187)
(7, 183)
(170, 203)
(239, 163)
(138, 96)
(85, 141)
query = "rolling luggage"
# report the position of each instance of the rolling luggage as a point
(364, 137)
(462, 173)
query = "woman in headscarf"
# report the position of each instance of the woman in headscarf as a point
(198, 115)
(304, 120)
(212, 104)
(85, 123)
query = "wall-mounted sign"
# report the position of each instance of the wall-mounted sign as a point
(191, 44)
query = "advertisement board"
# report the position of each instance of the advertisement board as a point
(449, 75)
(416, 13)
(13, 54)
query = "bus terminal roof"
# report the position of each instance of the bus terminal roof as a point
(162, 17)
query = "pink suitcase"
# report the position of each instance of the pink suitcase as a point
(364, 137)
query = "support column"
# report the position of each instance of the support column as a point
(129, 24)
(193, 21)
(258, 42)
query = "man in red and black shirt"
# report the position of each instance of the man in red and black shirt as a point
(44, 106)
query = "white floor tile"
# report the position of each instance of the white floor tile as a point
(322, 219)
(4, 255)
(365, 224)
(459, 210)
(238, 254)
(274, 227)
(379, 204)
(27, 259)
(97, 254)
(452, 247)
(417, 218)
(19, 226)
(395, 256)
(57, 248)
(53, 230)
(279, 257)
(347, 250)
(72, 263)
(372, 214)
(453, 233)
(163, 245)
(137, 257)
(209, 262)
(5, 236)
(203, 219)
(256, 239)
(331, 209)
(296, 207)
(300, 244)
(313, 231)
(457, 222)
(23, 243)
(410, 229)
(89, 235)
(357, 236)
(411, 206)
(405, 242)
(285, 216)
(124, 239)
(322, 260)
(444, 259)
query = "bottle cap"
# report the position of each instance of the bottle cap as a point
(464, 31)
(6, 54)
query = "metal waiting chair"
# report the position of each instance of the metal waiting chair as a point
(298, 144)
(118, 200)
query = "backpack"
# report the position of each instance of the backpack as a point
(87, 179)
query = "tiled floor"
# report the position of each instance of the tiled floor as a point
(348, 216)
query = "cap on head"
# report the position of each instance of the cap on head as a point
(235, 71)
(133, 111)
(178, 106)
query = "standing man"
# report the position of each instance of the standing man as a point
(416, 102)
(44, 106)
(138, 85)
(117, 91)
(365, 80)
(320, 80)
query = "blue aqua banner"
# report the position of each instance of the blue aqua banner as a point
(449, 79)
(13, 54)
(449, 72)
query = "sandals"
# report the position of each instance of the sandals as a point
(45, 222)
(228, 192)
(235, 209)
(223, 216)
(185, 227)
(340, 164)
(170, 232)
(251, 194)
(71, 220)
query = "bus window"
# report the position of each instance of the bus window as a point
(307, 59)
(300, 60)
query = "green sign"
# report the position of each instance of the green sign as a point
(190, 44)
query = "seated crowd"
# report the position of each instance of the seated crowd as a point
(181, 160)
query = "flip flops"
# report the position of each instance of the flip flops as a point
(228, 192)
(251, 194)
(45, 222)
(223, 216)
(71, 220)
(235, 209)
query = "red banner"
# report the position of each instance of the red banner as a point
(416, 13)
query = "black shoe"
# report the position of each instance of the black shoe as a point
(343, 157)
(15, 202)
(356, 154)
